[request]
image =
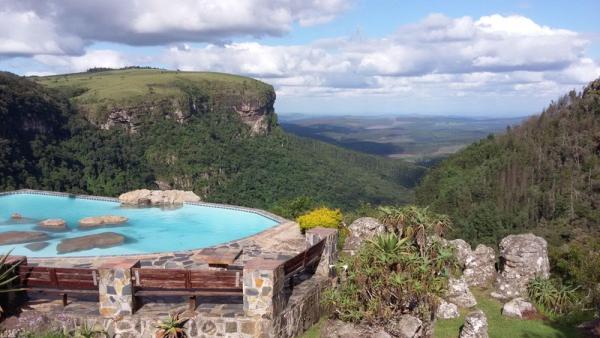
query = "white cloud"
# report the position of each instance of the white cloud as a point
(492, 55)
(91, 59)
(33, 27)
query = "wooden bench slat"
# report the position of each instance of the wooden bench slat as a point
(219, 292)
(67, 291)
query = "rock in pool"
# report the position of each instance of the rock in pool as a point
(16, 215)
(37, 246)
(53, 224)
(16, 237)
(103, 240)
(94, 222)
(157, 197)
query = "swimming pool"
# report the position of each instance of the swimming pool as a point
(148, 230)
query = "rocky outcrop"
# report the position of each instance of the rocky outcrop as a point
(17, 237)
(517, 307)
(340, 329)
(103, 240)
(256, 111)
(522, 258)
(406, 326)
(158, 197)
(480, 267)
(361, 230)
(100, 221)
(476, 325)
(458, 293)
(446, 310)
(462, 250)
(53, 224)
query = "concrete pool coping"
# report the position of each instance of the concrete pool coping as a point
(265, 236)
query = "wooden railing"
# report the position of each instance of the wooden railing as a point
(305, 261)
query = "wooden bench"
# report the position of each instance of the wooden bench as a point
(305, 261)
(188, 283)
(63, 281)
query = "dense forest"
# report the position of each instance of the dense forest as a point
(543, 175)
(48, 144)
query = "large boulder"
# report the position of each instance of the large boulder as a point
(158, 197)
(102, 240)
(99, 221)
(517, 307)
(446, 310)
(475, 326)
(522, 258)
(458, 293)
(17, 237)
(406, 326)
(53, 224)
(340, 329)
(462, 250)
(480, 267)
(360, 230)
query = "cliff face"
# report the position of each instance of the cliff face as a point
(255, 112)
(125, 99)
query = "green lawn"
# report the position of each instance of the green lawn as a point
(500, 326)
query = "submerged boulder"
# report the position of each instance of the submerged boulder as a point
(522, 258)
(98, 221)
(476, 325)
(16, 215)
(158, 197)
(37, 246)
(102, 240)
(361, 230)
(17, 237)
(53, 224)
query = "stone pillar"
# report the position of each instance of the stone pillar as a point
(263, 287)
(330, 252)
(115, 287)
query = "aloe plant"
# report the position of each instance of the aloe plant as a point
(7, 276)
(87, 331)
(172, 327)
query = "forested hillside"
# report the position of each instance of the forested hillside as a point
(543, 176)
(183, 133)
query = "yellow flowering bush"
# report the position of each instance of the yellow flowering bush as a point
(321, 217)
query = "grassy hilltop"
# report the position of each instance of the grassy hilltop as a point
(96, 93)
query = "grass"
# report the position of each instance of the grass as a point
(98, 92)
(500, 326)
(315, 330)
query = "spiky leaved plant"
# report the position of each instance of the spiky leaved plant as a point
(172, 327)
(87, 331)
(553, 296)
(7, 276)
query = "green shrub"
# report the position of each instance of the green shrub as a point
(402, 271)
(552, 296)
(321, 217)
(390, 275)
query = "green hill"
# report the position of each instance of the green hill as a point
(216, 134)
(543, 176)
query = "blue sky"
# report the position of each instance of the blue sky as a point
(482, 58)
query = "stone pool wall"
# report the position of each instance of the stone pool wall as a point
(270, 308)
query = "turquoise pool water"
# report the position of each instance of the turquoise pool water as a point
(149, 230)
